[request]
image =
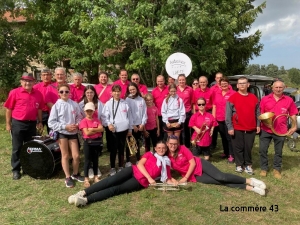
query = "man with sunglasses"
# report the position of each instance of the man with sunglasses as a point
(135, 78)
(46, 77)
(21, 119)
(243, 124)
(52, 90)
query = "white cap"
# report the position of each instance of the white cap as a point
(89, 106)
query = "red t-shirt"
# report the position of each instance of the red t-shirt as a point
(151, 167)
(24, 105)
(86, 123)
(106, 94)
(219, 100)
(123, 87)
(79, 92)
(152, 113)
(182, 164)
(42, 87)
(187, 97)
(206, 94)
(159, 96)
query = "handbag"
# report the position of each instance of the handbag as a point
(94, 141)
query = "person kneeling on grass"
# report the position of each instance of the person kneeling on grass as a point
(129, 179)
(194, 169)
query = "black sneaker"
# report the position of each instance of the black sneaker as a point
(78, 177)
(69, 182)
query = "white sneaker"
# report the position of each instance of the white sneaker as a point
(99, 173)
(239, 169)
(259, 191)
(120, 169)
(91, 173)
(258, 183)
(71, 199)
(112, 171)
(80, 201)
(249, 170)
(128, 164)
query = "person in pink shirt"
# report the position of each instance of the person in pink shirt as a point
(186, 93)
(52, 90)
(46, 76)
(151, 131)
(23, 108)
(171, 80)
(130, 179)
(104, 93)
(77, 87)
(195, 84)
(219, 109)
(204, 92)
(103, 89)
(91, 128)
(194, 169)
(278, 103)
(123, 82)
(203, 123)
(135, 78)
(159, 93)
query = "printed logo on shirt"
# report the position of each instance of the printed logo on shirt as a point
(32, 149)
(283, 110)
(124, 110)
(226, 97)
(207, 120)
(74, 112)
(37, 105)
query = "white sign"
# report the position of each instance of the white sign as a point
(178, 63)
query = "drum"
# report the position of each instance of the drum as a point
(40, 158)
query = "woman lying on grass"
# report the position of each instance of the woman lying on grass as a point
(129, 179)
(194, 169)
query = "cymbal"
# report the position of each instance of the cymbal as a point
(295, 93)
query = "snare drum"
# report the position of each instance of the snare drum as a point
(40, 158)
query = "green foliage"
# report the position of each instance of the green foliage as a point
(294, 75)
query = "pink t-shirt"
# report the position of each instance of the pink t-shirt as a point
(220, 103)
(206, 94)
(159, 96)
(143, 89)
(24, 105)
(284, 105)
(123, 87)
(42, 87)
(182, 164)
(187, 97)
(208, 121)
(79, 92)
(106, 94)
(152, 113)
(151, 167)
(86, 123)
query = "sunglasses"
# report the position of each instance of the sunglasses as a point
(202, 104)
(135, 79)
(61, 92)
(195, 83)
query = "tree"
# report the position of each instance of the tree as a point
(253, 69)
(294, 75)
(272, 70)
(13, 55)
(140, 35)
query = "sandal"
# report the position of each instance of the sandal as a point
(96, 179)
(86, 183)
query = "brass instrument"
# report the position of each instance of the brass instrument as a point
(132, 145)
(198, 137)
(167, 187)
(267, 120)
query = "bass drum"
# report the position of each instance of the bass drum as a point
(40, 158)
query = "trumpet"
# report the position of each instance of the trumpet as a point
(267, 119)
(132, 145)
(167, 187)
(198, 137)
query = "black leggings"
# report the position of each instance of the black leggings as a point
(90, 156)
(122, 182)
(118, 145)
(152, 137)
(212, 175)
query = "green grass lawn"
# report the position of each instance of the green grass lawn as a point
(30, 201)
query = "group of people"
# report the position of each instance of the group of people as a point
(178, 113)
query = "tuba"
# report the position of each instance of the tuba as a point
(198, 137)
(267, 120)
(132, 145)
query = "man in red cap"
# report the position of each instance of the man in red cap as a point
(23, 115)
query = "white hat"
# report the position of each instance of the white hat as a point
(89, 106)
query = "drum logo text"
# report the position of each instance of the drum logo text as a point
(31, 150)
